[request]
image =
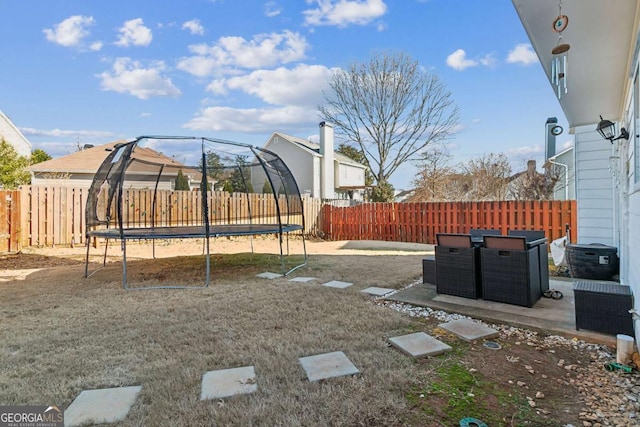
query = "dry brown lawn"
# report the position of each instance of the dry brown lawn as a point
(62, 333)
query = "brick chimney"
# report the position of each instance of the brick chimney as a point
(327, 177)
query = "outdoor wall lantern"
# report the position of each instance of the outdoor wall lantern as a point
(607, 129)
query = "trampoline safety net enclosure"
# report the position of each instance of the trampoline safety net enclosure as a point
(199, 188)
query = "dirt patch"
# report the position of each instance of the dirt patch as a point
(98, 335)
(24, 261)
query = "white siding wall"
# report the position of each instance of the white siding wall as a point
(632, 265)
(630, 198)
(300, 162)
(315, 177)
(594, 187)
(348, 176)
(13, 136)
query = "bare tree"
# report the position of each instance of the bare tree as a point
(435, 175)
(531, 184)
(390, 108)
(489, 176)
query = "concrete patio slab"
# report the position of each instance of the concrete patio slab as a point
(327, 365)
(268, 275)
(228, 382)
(548, 315)
(378, 292)
(469, 330)
(107, 405)
(337, 284)
(419, 345)
(303, 279)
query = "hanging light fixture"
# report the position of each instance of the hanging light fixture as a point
(560, 60)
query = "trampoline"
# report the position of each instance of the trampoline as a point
(202, 188)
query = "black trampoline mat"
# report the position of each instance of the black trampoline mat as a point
(194, 231)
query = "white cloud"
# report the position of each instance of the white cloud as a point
(71, 31)
(194, 26)
(301, 86)
(257, 120)
(128, 76)
(228, 53)
(271, 9)
(65, 133)
(488, 60)
(134, 33)
(529, 150)
(293, 95)
(522, 54)
(95, 46)
(200, 66)
(342, 13)
(458, 60)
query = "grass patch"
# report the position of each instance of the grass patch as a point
(454, 393)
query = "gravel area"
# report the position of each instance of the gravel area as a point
(610, 398)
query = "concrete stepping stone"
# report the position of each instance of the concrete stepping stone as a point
(419, 345)
(108, 405)
(228, 382)
(469, 330)
(377, 292)
(327, 365)
(302, 279)
(337, 284)
(268, 275)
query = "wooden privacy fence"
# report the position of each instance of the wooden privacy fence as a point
(9, 220)
(49, 216)
(419, 222)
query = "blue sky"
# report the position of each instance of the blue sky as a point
(92, 71)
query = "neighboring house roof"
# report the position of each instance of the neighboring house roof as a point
(560, 154)
(314, 149)
(90, 159)
(403, 195)
(11, 134)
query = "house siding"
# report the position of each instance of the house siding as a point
(632, 274)
(299, 161)
(348, 176)
(11, 134)
(594, 189)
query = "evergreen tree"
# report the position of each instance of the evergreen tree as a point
(227, 186)
(266, 188)
(241, 176)
(182, 183)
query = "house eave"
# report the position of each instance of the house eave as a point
(601, 35)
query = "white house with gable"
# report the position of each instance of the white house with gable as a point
(602, 80)
(319, 170)
(11, 134)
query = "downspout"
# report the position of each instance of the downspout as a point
(566, 176)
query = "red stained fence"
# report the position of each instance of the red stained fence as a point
(419, 222)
